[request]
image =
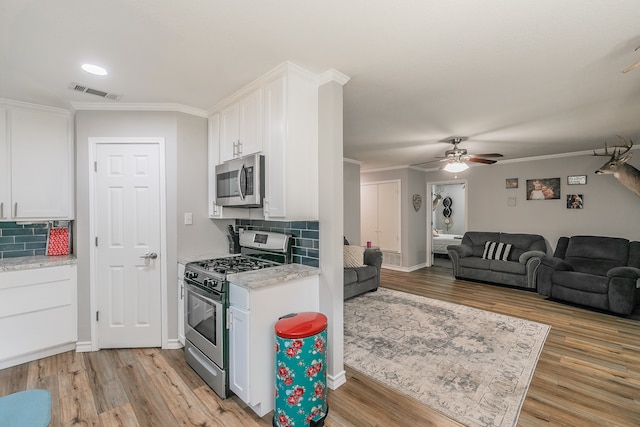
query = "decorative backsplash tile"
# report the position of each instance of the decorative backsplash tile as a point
(306, 242)
(18, 240)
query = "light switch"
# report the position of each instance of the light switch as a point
(188, 218)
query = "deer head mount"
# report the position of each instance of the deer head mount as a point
(436, 200)
(618, 167)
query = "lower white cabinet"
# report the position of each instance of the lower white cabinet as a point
(253, 314)
(181, 303)
(38, 313)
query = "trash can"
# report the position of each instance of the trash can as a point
(301, 377)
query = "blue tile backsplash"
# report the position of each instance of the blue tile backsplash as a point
(18, 240)
(306, 242)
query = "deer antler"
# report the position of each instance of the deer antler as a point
(616, 153)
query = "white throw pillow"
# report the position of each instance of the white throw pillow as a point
(353, 256)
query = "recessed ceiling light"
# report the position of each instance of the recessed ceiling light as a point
(94, 69)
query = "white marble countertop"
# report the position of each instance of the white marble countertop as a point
(40, 261)
(272, 275)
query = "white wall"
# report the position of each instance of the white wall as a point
(351, 173)
(185, 139)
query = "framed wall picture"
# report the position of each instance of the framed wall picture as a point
(576, 179)
(543, 188)
(575, 201)
(511, 183)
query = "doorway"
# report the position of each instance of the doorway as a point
(447, 216)
(128, 223)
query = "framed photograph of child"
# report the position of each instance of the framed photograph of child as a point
(543, 188)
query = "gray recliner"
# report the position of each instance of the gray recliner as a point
(595, 271)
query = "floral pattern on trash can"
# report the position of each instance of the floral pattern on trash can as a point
(301, 378)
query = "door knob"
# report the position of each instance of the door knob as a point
(151, 255)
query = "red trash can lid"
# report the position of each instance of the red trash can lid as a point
(301, 325)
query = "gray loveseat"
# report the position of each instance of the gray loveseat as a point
(518, 268)
(599, 272)
(358, 280)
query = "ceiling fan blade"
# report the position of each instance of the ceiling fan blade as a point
(487, 155)
(481, 160)
(424, 163)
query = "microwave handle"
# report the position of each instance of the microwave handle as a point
(242, 176)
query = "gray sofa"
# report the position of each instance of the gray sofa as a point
(518, 269)
(595, 271)
(359, 280)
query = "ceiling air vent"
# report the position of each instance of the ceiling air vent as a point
(85, 89)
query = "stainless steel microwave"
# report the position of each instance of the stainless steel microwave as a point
(240, 182)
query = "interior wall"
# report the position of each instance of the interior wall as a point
(185, 146)
(351, 173)
(608, 205)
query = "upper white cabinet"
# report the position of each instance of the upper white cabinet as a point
(36, 182)
(278, 116)
(241, 127)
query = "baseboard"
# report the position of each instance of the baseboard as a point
(173, 344)
(335, 381)
(84, 346)
(405, 269)
(28, 357)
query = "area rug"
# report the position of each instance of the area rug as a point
(473, 366)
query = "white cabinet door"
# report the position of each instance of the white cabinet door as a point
(229, 132)
(5, 169)
(250, 124)
(241, 127)
(181, 303)
(41, 167)
(239, 352)
(275, 146)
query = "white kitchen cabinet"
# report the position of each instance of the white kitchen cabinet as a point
(241, 127)
(37, 313)
(36, 182)
(253, 314)
(291, 146)
(215, 134)
(181, 303)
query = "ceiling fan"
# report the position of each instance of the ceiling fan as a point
(456, 159)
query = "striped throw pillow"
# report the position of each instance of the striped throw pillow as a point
(496, 250)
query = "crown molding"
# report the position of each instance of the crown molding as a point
(180, 108)
(333, 75)
(14, 103)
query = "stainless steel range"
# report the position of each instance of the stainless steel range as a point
(207, 301)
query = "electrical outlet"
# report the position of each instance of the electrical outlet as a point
(188, 218)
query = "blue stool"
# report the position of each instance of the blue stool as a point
(31, 408)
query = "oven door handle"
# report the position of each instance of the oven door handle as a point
(242, 181)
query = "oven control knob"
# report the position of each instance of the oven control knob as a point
(207, 283)
(191, 274)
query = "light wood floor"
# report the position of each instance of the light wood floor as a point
(588, 374)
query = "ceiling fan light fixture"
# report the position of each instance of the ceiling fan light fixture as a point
(455, 167)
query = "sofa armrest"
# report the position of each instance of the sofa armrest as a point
(556, 264)
(462, 250)
(626, 272)
(530, 254)
(374, 257)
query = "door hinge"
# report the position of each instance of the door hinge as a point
(95, 166)
(96, 240)
(97, 316)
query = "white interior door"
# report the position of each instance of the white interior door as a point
(368, 214)
(388, 216)
(128, 231)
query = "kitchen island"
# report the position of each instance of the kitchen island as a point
(257, 299)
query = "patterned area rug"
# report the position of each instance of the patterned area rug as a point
(472, 365)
